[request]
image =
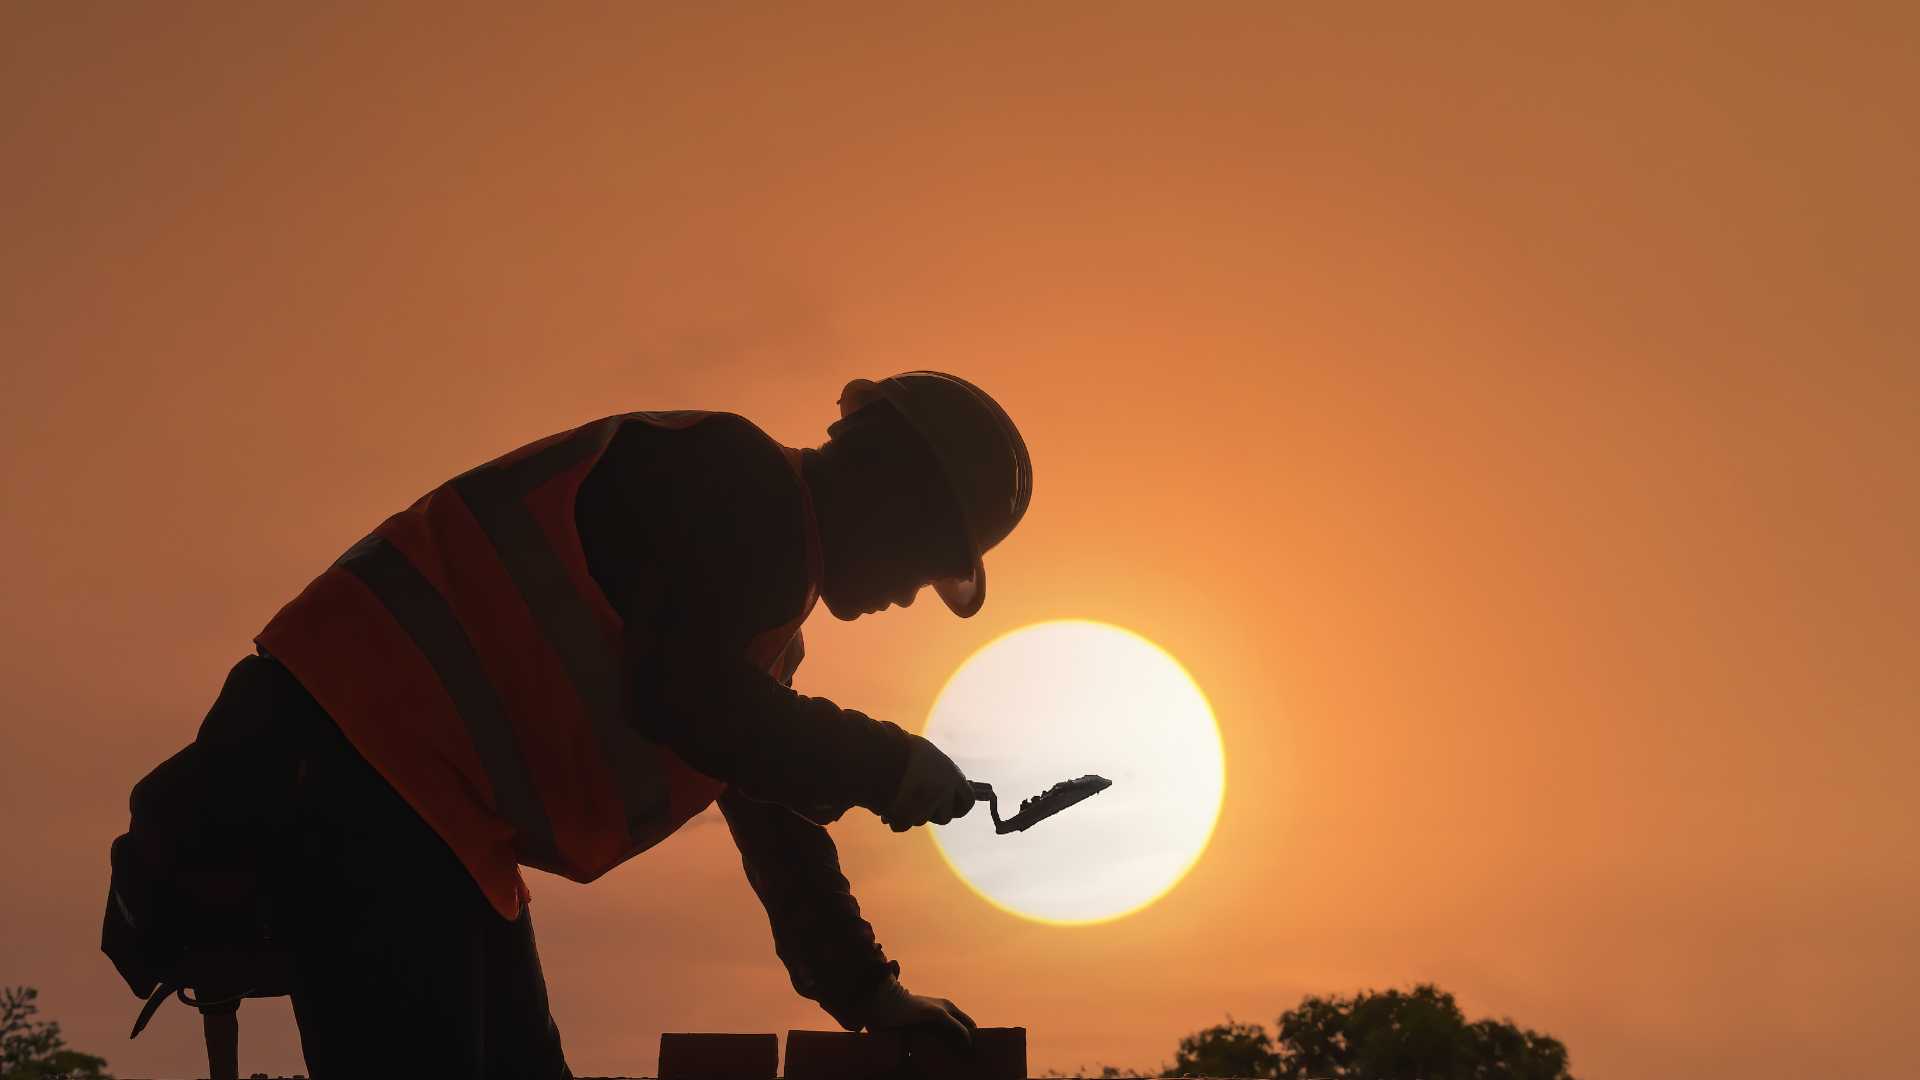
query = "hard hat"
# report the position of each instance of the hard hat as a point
(980, 452)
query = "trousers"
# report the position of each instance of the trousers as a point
(401, 966)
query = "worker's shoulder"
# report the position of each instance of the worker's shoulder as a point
(730, 430)
(723, 449)
(731, 493)
(726, 439)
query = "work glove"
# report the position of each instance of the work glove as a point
(890, 1006)
(932, 788)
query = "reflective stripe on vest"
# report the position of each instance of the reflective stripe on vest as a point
(425, 616)
(466, 651)
(497, 496)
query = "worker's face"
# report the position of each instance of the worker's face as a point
(898, 530)
(900, 542)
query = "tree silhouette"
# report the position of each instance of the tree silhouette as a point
(1413, 1035)
(1229, 1049)
(33, 1049)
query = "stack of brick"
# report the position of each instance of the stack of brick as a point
(996, 1054)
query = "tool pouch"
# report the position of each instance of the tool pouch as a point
(187, 904)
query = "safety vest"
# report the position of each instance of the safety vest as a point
(468, 654)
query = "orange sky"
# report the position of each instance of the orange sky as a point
(1507, 416)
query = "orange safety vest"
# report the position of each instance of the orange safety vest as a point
(468, 654)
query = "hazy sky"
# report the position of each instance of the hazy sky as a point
(1507, 416)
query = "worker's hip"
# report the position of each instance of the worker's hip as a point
(268, 857)
(343, 832)
(273, 803)
(395, 945)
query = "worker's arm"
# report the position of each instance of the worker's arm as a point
(735, 723)
(697, 537)
(828, 949)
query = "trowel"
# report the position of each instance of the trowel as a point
(1042, 806)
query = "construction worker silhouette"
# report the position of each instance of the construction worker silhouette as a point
(558, 658)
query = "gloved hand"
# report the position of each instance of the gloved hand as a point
(890, 1006)
(932, 788)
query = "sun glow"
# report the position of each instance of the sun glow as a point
(1056, 700)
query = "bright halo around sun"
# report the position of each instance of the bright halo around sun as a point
(1056, 700)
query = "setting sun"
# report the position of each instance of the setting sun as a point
(1060, 699)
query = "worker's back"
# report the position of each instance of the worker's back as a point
(467, 650)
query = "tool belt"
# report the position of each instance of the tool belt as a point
(189, 909)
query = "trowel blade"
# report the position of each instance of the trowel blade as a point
(1044, 805)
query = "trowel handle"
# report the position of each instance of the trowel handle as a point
(983, 792)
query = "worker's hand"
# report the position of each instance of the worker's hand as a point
(892, 1007)
(932, 788)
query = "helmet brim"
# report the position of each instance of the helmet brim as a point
(964, 596)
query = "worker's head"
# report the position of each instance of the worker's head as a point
(923, 474)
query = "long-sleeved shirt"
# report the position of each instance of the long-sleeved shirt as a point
(696, 536)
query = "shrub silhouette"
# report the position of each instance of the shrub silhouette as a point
(33, 1049)
(1418, 1034)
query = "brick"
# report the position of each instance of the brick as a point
(844, 1055)
(998, 1054)
(698, 1056)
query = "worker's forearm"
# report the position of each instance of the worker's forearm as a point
(739, 725)
(828, 948)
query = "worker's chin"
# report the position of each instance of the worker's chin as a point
(840, 609)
